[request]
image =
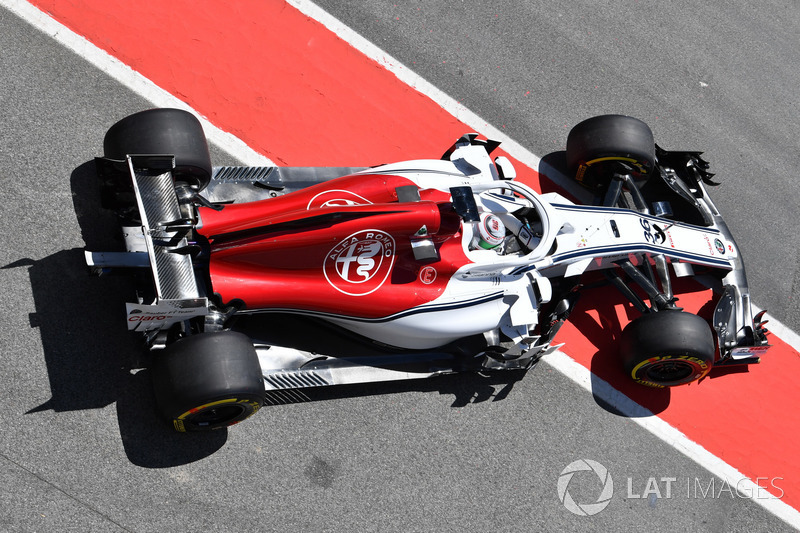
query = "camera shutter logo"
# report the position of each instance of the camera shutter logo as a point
(585, 509)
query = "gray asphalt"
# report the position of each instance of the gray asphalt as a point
(81, 448)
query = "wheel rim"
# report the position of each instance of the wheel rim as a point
(219, 415)
(670, 371)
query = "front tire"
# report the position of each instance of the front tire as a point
(208, 381)
(667, 348)
(598, 143)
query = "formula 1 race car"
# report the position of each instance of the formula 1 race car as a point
(256, 279)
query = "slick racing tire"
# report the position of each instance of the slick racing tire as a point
(596, 144)
(208, 381)
(667, 348)
(163, 132)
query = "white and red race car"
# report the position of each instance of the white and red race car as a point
(273, 278)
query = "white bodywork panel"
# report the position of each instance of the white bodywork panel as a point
(495, 290)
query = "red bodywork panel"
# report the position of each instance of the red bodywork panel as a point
(341, 247)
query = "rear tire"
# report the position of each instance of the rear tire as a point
(208, 381)
(667, 348)
(596, 144)
(168, 132)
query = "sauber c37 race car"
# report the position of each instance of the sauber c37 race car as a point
(257, 279)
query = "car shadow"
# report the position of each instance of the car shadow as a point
(554, 166)
(466, 388)
(596, 317)
(92, 360)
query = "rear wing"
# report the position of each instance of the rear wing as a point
(166, 250)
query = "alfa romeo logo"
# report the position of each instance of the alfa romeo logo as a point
(361, 263)
(336, 198)
(585, 509)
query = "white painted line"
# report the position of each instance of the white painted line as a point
(559, 361)
(130, 78)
